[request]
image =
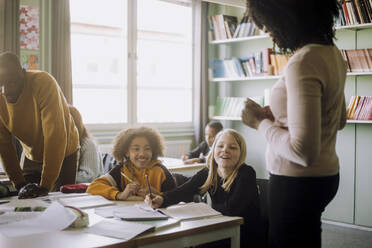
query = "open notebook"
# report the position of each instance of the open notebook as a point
(192, 210)
(139, 212)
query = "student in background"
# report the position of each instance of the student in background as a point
(308, 109)
(137, 150)
(34, 110)
(90, 161)
(229, 181)
(199, 154)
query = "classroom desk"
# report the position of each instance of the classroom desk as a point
(176, 165)
(188, 233)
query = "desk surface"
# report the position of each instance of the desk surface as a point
(175, 164)
(70, 238)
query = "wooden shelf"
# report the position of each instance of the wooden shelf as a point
(366, 73)
(227, 118)
(236, 118)
(242, 39)
(355, 27)
(359, 121)
(244, 78)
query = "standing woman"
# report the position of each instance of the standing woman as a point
(307, 110)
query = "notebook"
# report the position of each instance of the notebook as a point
(139, 212)
(161, 224)
(192, 210)
(119, 229)
(85, 201)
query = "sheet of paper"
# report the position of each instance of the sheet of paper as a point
(54, 218)
(138, 213)
(118, 229)
(86, 201)
(8, 217)
(107, 212)
(190, 211)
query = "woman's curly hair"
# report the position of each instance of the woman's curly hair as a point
(123, 140)
(294, 23)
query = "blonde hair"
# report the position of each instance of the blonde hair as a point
(124, 138)
(78, 120)
(211, 181)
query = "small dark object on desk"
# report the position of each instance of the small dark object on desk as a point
(74, 188)
(32, 190)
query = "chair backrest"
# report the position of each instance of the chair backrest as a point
(262, 185)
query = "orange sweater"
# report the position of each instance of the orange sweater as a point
(41, 120)
(114, 182)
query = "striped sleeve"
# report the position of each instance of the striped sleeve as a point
(108, 185)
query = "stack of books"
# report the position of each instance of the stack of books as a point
(233, 106)
(222, 27)
(261, 63)
(358, 60)
(354, 12)
(360, 108)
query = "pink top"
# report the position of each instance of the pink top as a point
(308, 104)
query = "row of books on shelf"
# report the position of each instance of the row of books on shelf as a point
(255, 64)
(233, 106)
(223, 27)
(358, 60)
(354, 12)
(360, 108)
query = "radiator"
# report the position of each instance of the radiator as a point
(173, 148)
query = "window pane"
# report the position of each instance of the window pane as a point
(99, 60)
(164, 65)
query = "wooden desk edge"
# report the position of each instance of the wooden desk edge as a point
(186, 167)
(169, 236)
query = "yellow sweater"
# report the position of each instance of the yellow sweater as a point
(41, 120)
(114, 182)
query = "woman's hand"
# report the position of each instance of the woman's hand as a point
(130, 190)
(253, 114)
(155, 202)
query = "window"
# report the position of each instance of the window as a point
(99, 59)
(136, 68)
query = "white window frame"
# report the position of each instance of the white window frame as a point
(185, 128)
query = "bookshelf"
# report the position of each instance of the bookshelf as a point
(353, 200)
(243, 39)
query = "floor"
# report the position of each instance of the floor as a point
(334, 236)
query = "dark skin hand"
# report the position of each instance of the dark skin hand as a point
(253, 114)
(32, 190)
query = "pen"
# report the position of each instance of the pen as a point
(129, 179)
(148, 185)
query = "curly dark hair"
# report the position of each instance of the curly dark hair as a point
(124, 138)
(294, 23)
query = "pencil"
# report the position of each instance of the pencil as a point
(148, 185)
(182, 151)
(129, 179)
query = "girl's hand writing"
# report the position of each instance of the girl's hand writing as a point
(155, 202)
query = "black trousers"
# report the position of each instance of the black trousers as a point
(296, 205)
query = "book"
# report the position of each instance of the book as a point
(161, 224)
(192, 210)
(139, 212)
(119, 229)
(85, 201)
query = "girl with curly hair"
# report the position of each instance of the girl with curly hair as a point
(136, 150)
(301, 125)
